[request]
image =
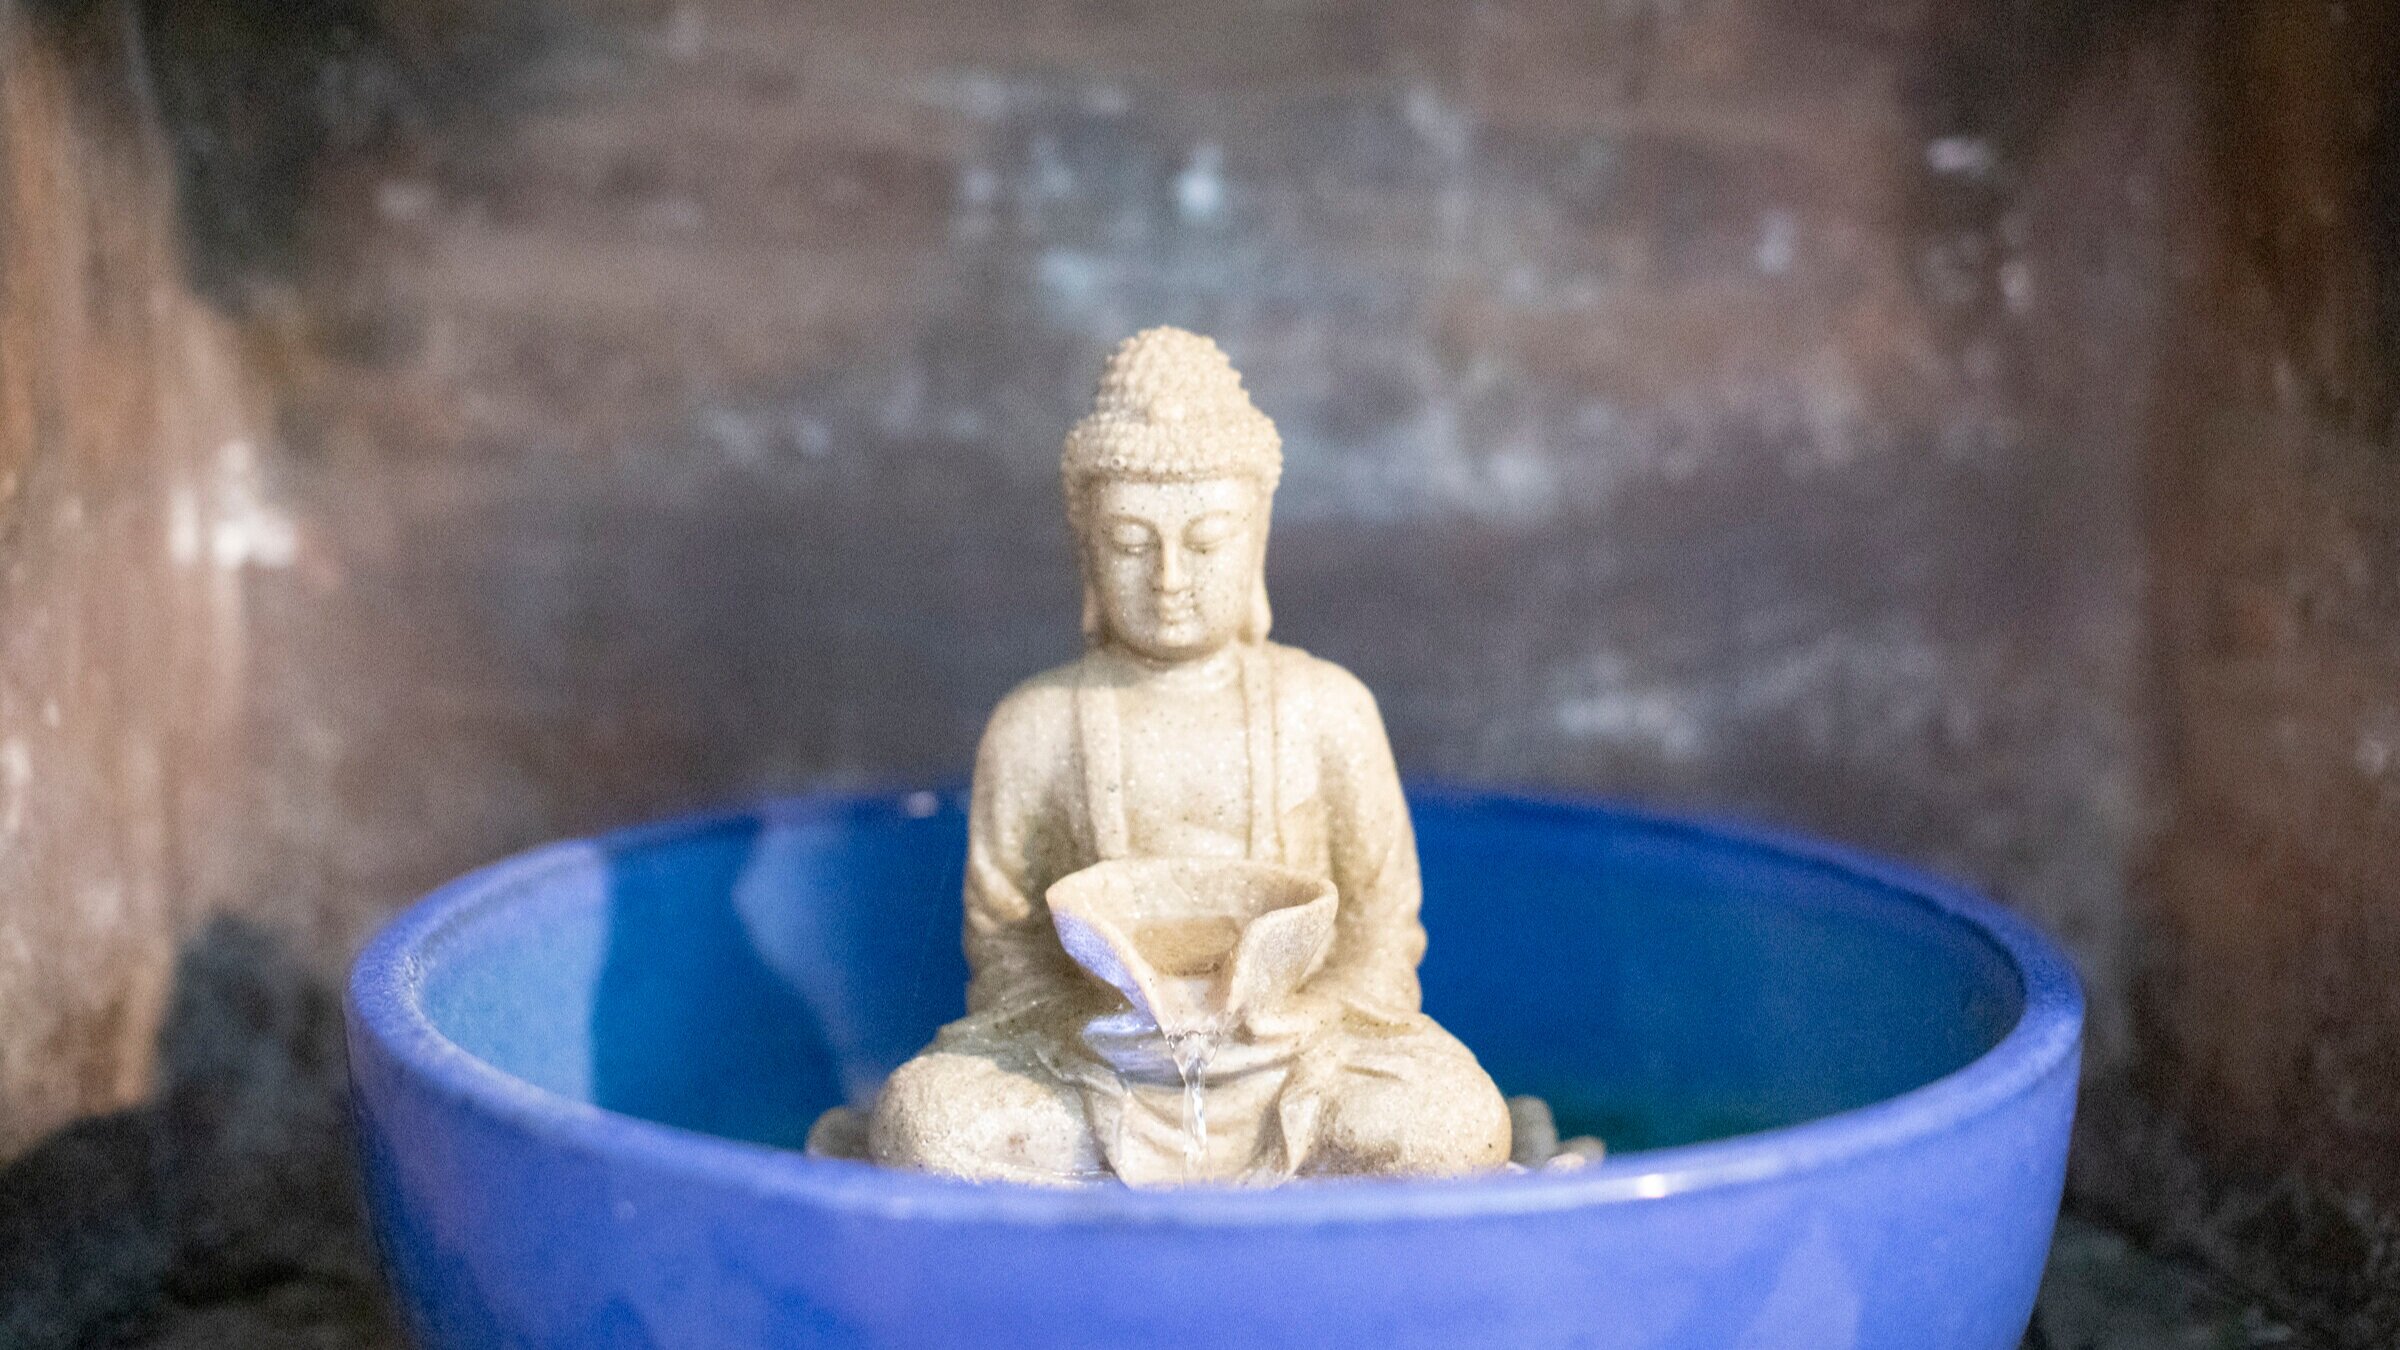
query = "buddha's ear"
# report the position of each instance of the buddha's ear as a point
(1261, 617)
(1095, 619)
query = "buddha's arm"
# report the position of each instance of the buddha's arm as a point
(1378, 940)
(1012, 955)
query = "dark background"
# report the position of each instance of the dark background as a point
(1961, 427)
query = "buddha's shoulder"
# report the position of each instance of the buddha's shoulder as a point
(1039, 710)
(1312, 684)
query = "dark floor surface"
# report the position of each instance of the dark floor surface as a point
(2105, 1293)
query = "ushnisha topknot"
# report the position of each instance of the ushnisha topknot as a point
(1171, 406)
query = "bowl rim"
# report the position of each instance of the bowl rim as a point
(383, 1006)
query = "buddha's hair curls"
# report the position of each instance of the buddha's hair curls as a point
(1170, 406)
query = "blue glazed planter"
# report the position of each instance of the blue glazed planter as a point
(1837, 1095)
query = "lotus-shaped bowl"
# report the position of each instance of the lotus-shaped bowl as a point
(1193, 943)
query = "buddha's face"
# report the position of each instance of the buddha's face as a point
(1174, 564)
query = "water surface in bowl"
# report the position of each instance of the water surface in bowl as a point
(739, 979)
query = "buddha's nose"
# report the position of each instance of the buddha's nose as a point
(1174, 571)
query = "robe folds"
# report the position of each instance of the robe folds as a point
(1327, 1081)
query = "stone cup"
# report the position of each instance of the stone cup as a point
(1194, 943)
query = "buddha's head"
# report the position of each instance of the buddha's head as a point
(1169, 481)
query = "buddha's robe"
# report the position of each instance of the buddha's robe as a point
(1287, 763)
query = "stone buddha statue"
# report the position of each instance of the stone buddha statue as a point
(1183, 734)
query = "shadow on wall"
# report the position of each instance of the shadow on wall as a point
(224, 1210)
(262, 100)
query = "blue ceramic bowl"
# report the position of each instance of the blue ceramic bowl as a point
(1837, 1095)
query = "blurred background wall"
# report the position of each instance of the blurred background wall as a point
(1964, 429)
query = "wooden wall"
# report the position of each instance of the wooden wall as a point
(131, 517)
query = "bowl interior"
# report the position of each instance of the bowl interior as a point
(1658, 984)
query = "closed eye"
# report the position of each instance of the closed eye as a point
(1209, 531)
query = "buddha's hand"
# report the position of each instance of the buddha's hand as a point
(1006, 1005)
(1296, 1015)
(1326, 1002)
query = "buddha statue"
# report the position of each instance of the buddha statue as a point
(1191, 774)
